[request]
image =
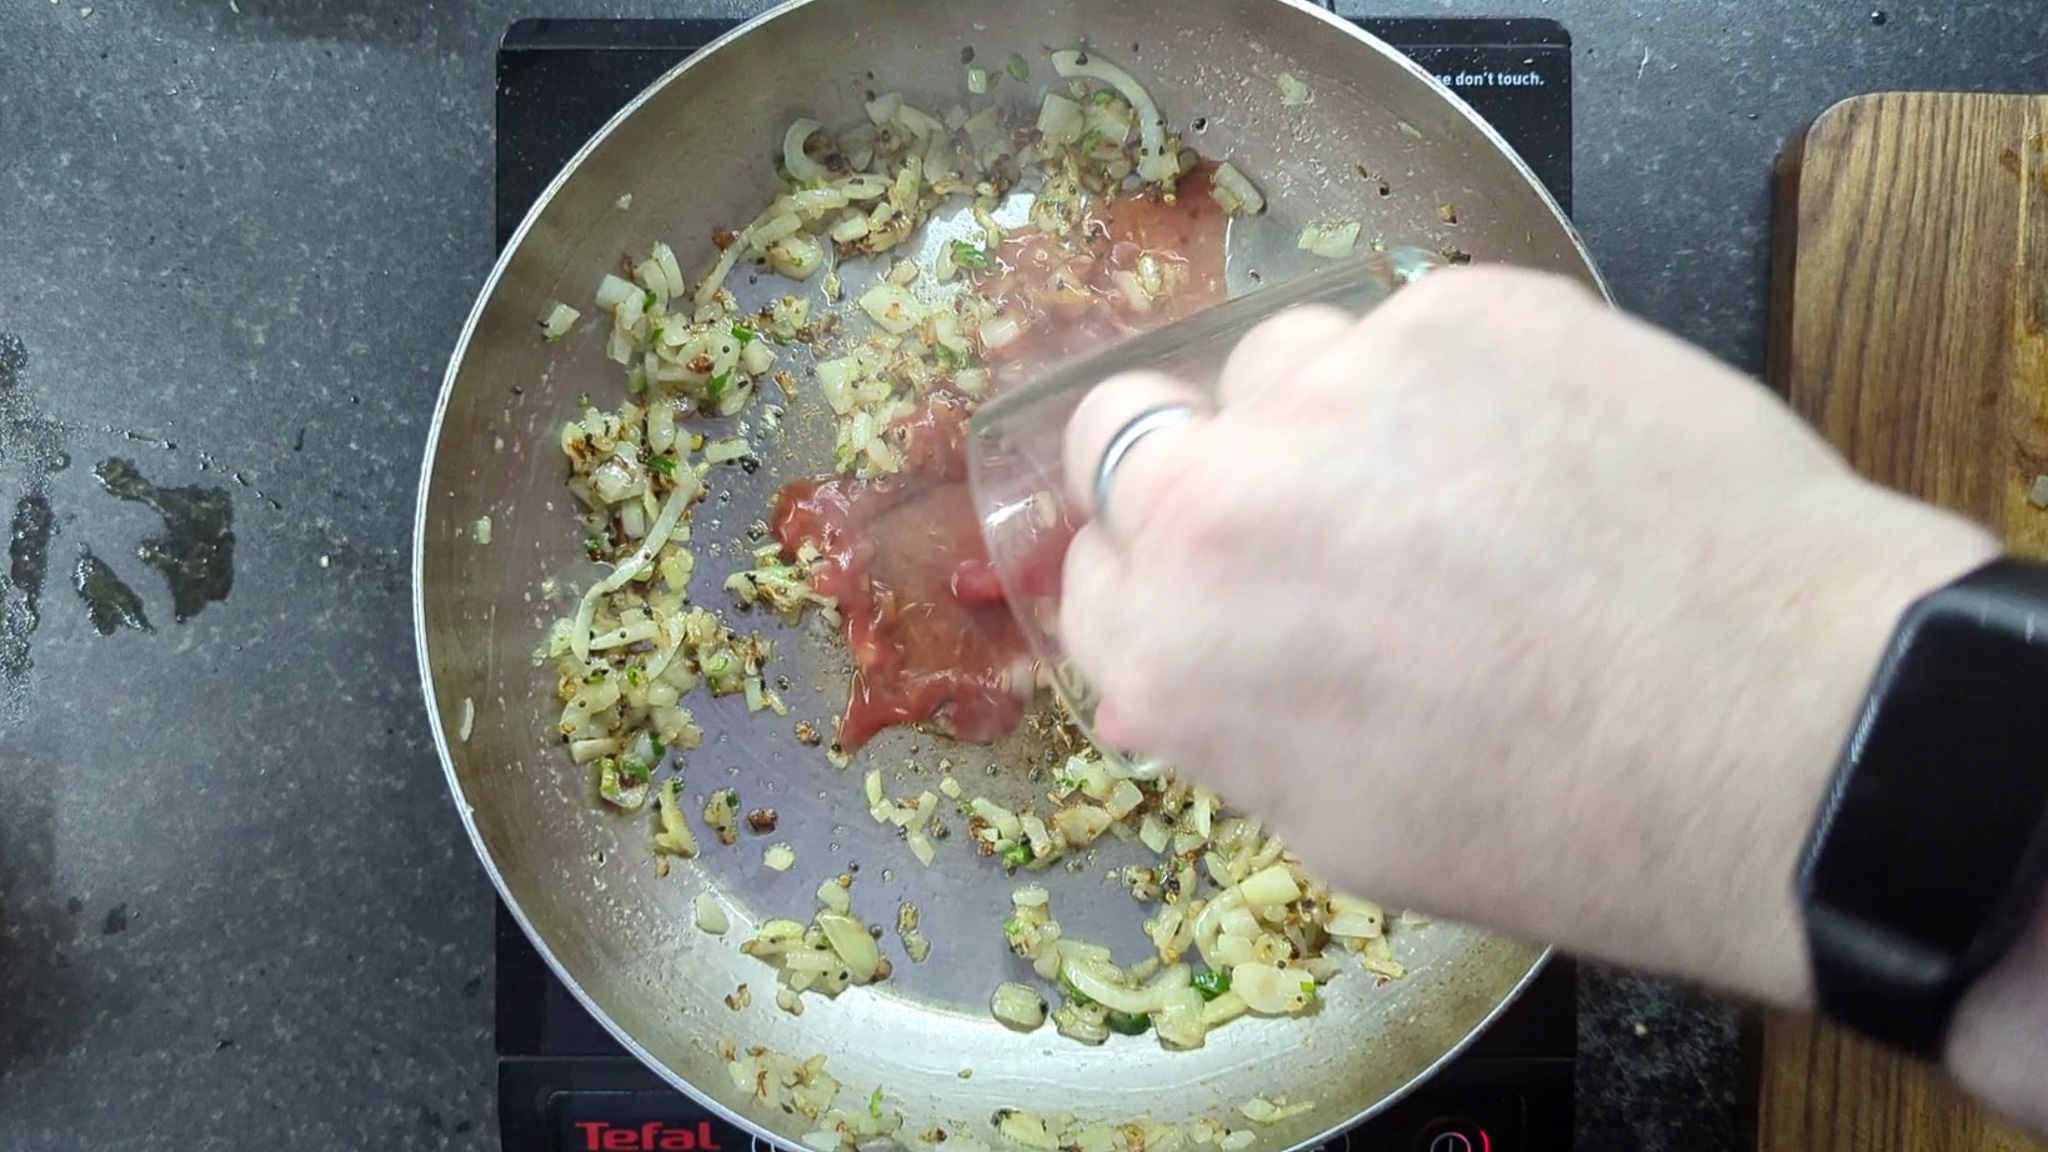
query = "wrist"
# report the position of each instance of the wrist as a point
(1995, 1048)
(1856, 590)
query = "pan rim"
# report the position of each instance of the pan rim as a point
(486, 292)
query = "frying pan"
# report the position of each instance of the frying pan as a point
(694, 153)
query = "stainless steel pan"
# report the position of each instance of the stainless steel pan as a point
(694, 152)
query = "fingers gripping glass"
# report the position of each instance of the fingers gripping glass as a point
(1016, 459)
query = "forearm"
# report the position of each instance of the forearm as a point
(1688, 847)
(1755, 810)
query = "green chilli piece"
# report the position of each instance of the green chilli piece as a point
(1128, 1023)
(1017, 855)
(622, 782)
(1017, 68)
(743, 334)
(1212, 983)
(969, 255)
(716, 388)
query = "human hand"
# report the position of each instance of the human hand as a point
(1502, 605)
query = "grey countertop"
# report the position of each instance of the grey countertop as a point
(237, 238)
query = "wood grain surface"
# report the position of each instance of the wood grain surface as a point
(1910, 325)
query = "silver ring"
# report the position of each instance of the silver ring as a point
(1137, 428)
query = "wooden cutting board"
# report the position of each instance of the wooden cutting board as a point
(1910, 324)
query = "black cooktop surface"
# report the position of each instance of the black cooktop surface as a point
(563, 1082)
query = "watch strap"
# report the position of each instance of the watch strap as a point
(1930, 852)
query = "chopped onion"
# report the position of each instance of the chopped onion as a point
(834, 897)
(1018, 1006)
(674, 836)
(1358, 919)
(1333, 241)
(1274, 885)
(1060, 120)
(850, 939)
(918, 122)
(850, 228)
(780, 857)
(1293, 93)
(1235, 191)
(1001, 331)
(727, 450)
(893, 307)
(613, 291)
(710, 914)
(882, 109)
(1025, 1129)
(558, 321)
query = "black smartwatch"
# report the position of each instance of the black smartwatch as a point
(1930, 852)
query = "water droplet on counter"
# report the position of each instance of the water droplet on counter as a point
(109, 601)
(35, 443)
(28, 567)
(196, 552)
(28, 552)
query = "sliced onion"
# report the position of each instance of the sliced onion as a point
(1178, 1019)
(1100, 981)
(795, 160)
(1223, 1009)
(1155, 161)
(1272, 991)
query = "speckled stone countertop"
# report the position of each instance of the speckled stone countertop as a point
(237, 238)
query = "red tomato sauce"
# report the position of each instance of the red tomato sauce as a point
(932, 638)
